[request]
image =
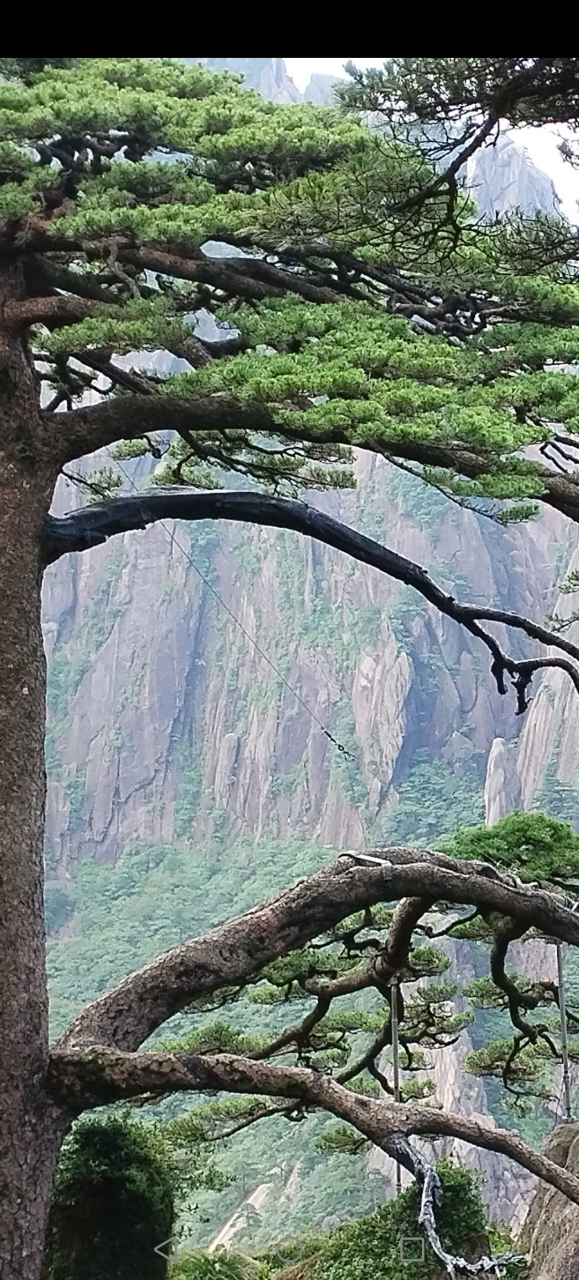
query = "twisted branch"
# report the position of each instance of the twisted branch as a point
(94, 525)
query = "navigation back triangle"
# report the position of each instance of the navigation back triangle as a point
(173, 1242)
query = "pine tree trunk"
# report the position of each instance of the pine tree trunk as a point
(31, 1125)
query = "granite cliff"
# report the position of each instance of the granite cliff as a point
(166, 721)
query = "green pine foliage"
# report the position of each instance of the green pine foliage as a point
(517, 1066)
(372, 1245)
(355, 1249)
(151, 899)
(433, 801)
(223, 1264)
(113, 1203)
(461, 91)
(115, 173)
(115, 176)
(535, 845)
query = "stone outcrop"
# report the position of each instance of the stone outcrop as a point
(321, 89)
(502, 177)
(267, 75)
(543, 766)
(502, 791)
(167, 724)
(551, 1231)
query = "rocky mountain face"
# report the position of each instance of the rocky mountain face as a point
(269, 77)
(215, 680)
(502, 177)
(167, 723)
(320, 89)
(551, 1231)
(175, 715)
(546, 755)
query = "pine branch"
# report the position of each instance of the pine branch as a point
(297, 1035)
(55, 310)
(91, 527)
(239, 950)
(95, 1075)
(82, 431)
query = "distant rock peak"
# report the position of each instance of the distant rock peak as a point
(270, 78)
(503, 177)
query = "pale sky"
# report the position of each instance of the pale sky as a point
(540, 143)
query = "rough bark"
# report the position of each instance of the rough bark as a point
(31, 1123)
(95, 1062)
(40, 1093)
(94, 427)
(554, 1256)
(101, 1075)
(233, 953)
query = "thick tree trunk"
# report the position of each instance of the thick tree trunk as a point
(31, 1125)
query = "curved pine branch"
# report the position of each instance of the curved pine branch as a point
(84, 430)
(95, 524)
(95, 1076)
(234, 953)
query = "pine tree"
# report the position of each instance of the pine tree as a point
(343, 321)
